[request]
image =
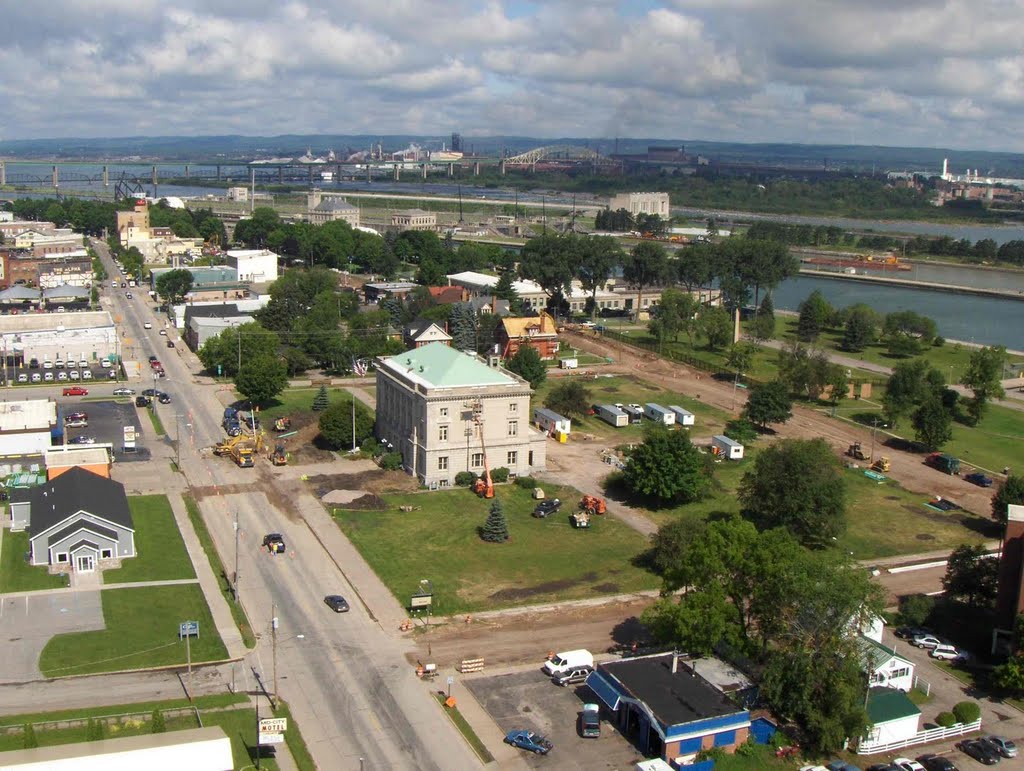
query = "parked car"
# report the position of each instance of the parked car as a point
(83, 364)
(529, 741)
(574, 675)
(979, 479)
(945, 651)
(336, 603)
(124, 392)
(163, 398)
(73, 374)
(22, 377)
(62, 376)
(910, 632)
(274, 543)
(841, 765)
(590, 721)
(76, 391)
(981, 751)
(128, 295)
(936, 762)
(86, 374)
(112, 374)
(152, 359)
(882, 767)
(926, 641)
(70, 416)
(48, 377)
(82, 440)
(36, 377)
(547, 507)
(147, 325)
(143, 401)
(1003, 746)
(906, 764)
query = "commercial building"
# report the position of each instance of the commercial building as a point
(642, 203)
(26, 427)
(1010, 590)
(379, 290)
(201, 322)
(444, 409)
(133, 223)
(11, 229)
(214, 283)
(75, 335)
(328, 207)
(414, 219)
(246, 307)
(253, 265)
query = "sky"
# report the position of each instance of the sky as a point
(892, 72)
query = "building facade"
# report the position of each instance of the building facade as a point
(75, 336)
(445, 410)
(328, 207)
(414, 219)
(642, 203)
(26, 427)
(537, 332)
(253, 265)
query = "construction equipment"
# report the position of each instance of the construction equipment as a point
(279, 457)
(591, 504)
(882, 464)
(484, 485)
(856, 451)
(581, 518)
(242, 449)
(282, 424)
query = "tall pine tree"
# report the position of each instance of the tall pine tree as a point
(321, 401)
(463, 327)
(495, 529)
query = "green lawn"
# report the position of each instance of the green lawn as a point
(994, 443)
(142, 631)
(16, 575)
(545, 560)
(161, 551)
(158, 426)
(296, 400)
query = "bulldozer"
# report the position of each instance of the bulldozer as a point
(591, 504)
(242, 449)
(882, 464)
(279, 457)
(282, 424)
(856, 451)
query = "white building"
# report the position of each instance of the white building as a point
(884, 667)
(253, 265)
(641, 203)
(25, 426)
(72, 336)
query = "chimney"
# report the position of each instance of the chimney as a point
(675, 662)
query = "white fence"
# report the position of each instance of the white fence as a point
(923, 737)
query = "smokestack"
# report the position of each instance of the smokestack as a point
(945, 167)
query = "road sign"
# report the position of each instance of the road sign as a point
(188, 629)
(271, 730)
(421, 601)
(451, 680)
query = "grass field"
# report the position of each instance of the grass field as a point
(16, 575)
(295, 400)
(994, 443)
(142, 631)
(161, 551)
(545, 560)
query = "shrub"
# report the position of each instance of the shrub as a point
(29, 740)
(499, 474)
(370, 446)
(713, 753)
(495, 528)
(391, 461)
(915, 609)
(946, 719)
(157, 723)
(527, 483)
(966, 711)
(938, 342)
(464, 478)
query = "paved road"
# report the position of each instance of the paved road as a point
(346, 677)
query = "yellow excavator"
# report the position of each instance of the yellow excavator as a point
(242, 448)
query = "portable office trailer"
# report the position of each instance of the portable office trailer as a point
(659, 414)
(611, 414)
(569, 363)
(551, 422)
(725, 447)
(683, 417)
(634, 412)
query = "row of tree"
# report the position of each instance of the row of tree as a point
(904, 333)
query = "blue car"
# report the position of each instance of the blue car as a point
(529, 741)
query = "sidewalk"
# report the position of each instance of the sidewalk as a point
(98, 587)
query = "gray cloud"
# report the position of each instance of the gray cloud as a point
(938, 72)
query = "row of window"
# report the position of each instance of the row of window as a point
(477, 460)
(442, 431)
(104, 554)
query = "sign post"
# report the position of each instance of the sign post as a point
(271, 730)
(187, 629)
(451, 680)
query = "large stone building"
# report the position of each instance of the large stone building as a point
(442, 409)
(414, 219)
(328, 207)
(641, 203)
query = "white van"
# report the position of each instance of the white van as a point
(563, 662)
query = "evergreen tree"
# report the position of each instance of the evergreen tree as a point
(94, 730)
(321, 401)
(463, 327)
(29, 740)
(495, 529)
(763, 325)
(157, 725)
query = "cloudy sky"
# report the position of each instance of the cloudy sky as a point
(895, 72)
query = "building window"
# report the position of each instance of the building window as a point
(62, 557)
(106, 554)
(442, 434)
(513, 407)
(513, 428)
(444, 412)
(513, 458)
(477, 460)
(442, 463)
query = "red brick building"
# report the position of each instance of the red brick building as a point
(538, 332)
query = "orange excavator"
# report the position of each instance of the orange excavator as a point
(593, 505)
(484, 486)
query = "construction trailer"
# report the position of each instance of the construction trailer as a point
(569, 363)
(634, 411)
(683, 417)
(727, 448)
(552, 424)
(659, 414)
(612, 415)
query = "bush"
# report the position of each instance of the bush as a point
(527, 483)
(464, 478)
(966, 711)
(742, 431)
(370, 446)
(915, 609)
(28, 737)
(713, 753)
(391, 461)
(157, 723)
(946, 719)
(938, 342)
(499, 474)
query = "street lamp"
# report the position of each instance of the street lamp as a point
(735, 384)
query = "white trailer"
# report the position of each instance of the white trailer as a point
(551, 423)
(659, 414)
(683, 417)
(569, 363)
(612, 415)
(727, 448)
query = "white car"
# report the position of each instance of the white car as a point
(83, 364)
(926, 641)
(73, 374)
(147, 325)
(949, 653)
(163, 332)
(48, 377)
(86, 374)
(908, 765)
(123, 392)
(23, 377)
(62, 376)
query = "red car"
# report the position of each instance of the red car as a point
(155, 364)
(76, 391)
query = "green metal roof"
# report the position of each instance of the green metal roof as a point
(440, 366)
(873, 654)
(886, 704)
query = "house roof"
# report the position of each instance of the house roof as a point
(74, 527)
(520, 326)
(873, 654)
(335, 204)
(417, 328)
(437, 365)
(66, 290)
(675, 699)
(77, 490)
(888, 704)
(446, 294)
(19, 292)
(222, 311)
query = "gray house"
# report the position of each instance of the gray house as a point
(79, 519)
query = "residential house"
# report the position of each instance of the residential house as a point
(420, 333)
(885, 668)
(537, 332)
(894, 718)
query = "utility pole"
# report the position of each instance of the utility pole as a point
(238, 333)
(234, 584)
(353, 423)
(273, 639)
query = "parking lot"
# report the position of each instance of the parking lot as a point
(530, 700)
(107, 420)
(30, 622)
(72, 373)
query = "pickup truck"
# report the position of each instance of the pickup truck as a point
(590, 721)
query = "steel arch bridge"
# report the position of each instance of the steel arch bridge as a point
(555, 153)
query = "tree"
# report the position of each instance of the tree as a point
(739, 357)
(763, 325)
(599, 256)
(528, 365)
(94, 730)
(971, 576)
(815, 313)
(860, 328)
(261, 379)
(495, 527)
(907, 333)
(915, 609)
(28, 737)
(336, 424)
(550, 260)
(321, 401)
(646, 265)
(933, 425)
(157, 724)
(676, 312)
(768, 403)
(173, 285)
(667, 467)
(716, 325)
(797, 484)
(569, 397)
(910, 384)
(1010, 491)
(463, 327)
(1010, 674)
(234, 345)
(983, 376)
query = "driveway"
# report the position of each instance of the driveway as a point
(28, 623)
(530, 700)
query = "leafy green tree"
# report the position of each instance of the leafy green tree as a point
(907, 333)
(550, 260)
(598, 257)
(971, 576)
(295, 360)
(676, 312)
(741, 430)
(261, 379)
(815, 313)
(646, 265)
(768, 403)
(495, 527)
(983, 376)
(740, 357)
(1010, 491)
(569, 397)
(716, 325)
(157, 724)
(1010, 674)
(797, 484)
(321, 401)
(336, 424)
(915, 609)
(237, 344)
(28, 737)
(528, 365)
(762, 327)
(860, 328)
(667, 467)
(910, 384)
(933, 425)
(253, 232)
